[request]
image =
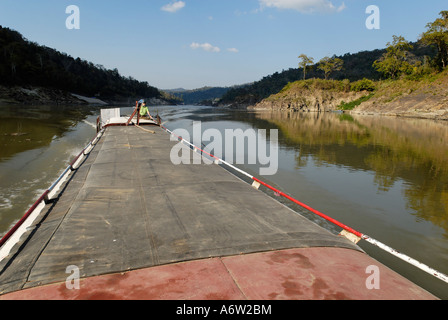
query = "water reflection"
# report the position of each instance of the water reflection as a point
(411, 150)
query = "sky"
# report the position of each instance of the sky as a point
(195, 43)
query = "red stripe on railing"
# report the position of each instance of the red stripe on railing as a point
(324, 216)
(21, 221)
(334, 221)
(43, 197)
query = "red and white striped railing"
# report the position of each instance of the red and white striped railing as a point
(348, 232)
(13, 236)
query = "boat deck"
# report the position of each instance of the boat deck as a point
(139, 227)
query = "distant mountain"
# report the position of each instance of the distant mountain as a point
(205, 95)
(175, 90)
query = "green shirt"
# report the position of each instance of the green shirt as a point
(144, 110)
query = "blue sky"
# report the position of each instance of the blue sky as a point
(194, 43)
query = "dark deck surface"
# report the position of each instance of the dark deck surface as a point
(128, 207)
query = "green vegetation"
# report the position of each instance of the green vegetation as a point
(363, 71)
(351, 105)
(205, 95)
(301, 88)
(24, 63)
(357, 66)
(398, 61)
(329, 65)
(363, 85)
(394, 62)
(308, 90)
(433, 84)
(437, 34)
(317, 84)
(304, 63)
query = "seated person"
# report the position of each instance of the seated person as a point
(144, 111)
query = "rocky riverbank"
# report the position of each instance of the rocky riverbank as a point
(427, 98)
(417, 99)
(313, 101)
(38, 96)
(47, 96)
(314, 95)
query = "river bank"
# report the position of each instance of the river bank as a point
(38, 96)
(31, 95)
(426, 98)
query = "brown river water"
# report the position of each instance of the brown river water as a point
(385, 177)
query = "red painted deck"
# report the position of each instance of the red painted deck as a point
(294, 274)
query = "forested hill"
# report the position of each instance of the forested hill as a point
(356, 66)
(25, 63)
(205, 95)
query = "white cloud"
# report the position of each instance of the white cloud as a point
(303, 6)
(234, 50)
(174, 6)
(205, 46)
(341, 7)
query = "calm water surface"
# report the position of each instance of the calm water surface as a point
(36, 145)
(386, 177)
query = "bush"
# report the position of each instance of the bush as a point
(345, 85)
(286, 88)
(363, 85)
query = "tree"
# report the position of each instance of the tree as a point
(394, 62)
(437, 33)
(306, 61)
(329, 65)
(25, 63)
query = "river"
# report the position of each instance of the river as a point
(385, 177)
